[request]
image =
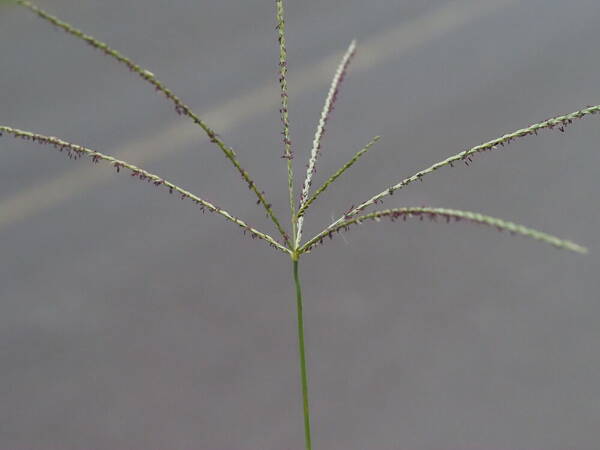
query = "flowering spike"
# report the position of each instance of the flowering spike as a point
(138, 173)
(434, 213)
(328, 107)
(287, 143)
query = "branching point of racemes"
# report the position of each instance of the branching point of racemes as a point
(559, 123)
(181, 108)
(74, 151)
(446, 215)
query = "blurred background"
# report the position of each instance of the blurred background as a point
(130, 320)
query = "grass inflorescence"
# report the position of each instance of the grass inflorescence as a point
(290, 241)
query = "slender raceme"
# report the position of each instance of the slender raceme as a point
(447, 215)
(328, 107)
(288, 153)
(75, 151)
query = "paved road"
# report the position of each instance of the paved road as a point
(129, 320)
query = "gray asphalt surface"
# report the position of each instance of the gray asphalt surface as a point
(129, 320)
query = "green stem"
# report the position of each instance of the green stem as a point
(302, 354)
